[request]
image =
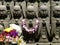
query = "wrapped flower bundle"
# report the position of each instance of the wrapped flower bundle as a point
(12, 34)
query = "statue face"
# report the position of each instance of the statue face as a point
(30, 23)
(43, 9)
(57, 9)
(2, 9)
(30, 10)
(17, 9)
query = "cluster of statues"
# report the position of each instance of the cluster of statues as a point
(39, 20)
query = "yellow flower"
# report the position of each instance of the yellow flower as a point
(8, 29)
(21, 42)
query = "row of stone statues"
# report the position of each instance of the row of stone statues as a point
(40, 21)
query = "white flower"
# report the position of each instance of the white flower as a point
(17, 28)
